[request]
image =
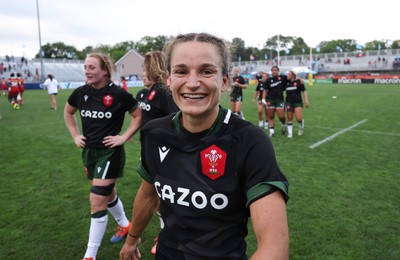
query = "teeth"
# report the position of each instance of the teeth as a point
(194, 96)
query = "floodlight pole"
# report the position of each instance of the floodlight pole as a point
(40, 44)
(279, 49)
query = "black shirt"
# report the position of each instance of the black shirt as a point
(275, 87)
(293, 91)
(157, 103)
(206, 182)
(102, 111)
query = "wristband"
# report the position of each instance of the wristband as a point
(129, 234)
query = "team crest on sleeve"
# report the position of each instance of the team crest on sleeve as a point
(213, 160)
(107, 100)
(151, 96)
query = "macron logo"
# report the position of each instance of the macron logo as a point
(85, 97)
(163, 151)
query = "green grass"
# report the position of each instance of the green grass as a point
(344, 201)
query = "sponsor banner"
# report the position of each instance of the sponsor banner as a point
(366, 81)
(73, 85)
(325, 81)
(137, 83)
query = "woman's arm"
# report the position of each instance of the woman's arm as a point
(269, 220)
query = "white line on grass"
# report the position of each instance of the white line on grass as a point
(338, 133)
(359, 131)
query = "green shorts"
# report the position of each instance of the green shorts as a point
(275, 103)
(291, 106)
(236, 97)
(105, 163)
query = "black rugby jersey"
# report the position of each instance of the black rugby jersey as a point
(238, 91)
(206, 182)
(293, 91)
(275, 87)
(260, 87)
(102, 111)
(158, 103)
(141, 95)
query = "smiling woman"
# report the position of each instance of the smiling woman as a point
(192, 163)
(102, 106)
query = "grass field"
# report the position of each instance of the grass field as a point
(344, 196)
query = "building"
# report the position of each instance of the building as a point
(130, 66)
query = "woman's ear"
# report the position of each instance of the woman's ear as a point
(225, 81)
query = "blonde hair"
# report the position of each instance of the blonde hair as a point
(155, 67)
(105, 63)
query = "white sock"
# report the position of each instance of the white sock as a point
(290, 129)
(260, 123)
(266, 124)
(97, 229)
(271, 130)
(117, 211)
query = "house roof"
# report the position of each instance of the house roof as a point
(129, 53)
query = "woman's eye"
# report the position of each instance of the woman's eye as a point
(207, 73)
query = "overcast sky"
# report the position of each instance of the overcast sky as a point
(92, 22)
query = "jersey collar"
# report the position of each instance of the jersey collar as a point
(223, 118)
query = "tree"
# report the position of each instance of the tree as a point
(344, 45)
(395, 44)
(58, 50)
(238, 49)
(376, 45)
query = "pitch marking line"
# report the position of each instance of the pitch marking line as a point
(359, 131)
(337, 134)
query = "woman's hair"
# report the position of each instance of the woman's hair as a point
(105, 63)
(294, 73)
(155, 67)
(200, 37)
(275, 67)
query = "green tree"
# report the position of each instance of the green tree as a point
(376, 45)
(344, 45)
(238, 49)
(58, 50)
(395, 44)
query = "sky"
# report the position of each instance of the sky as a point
(83, 23)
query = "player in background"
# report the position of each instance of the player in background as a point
(4, 86)
(192, 163)
(261, 107)
(21, 88)
(52, 86)
(13, 90)
(102, 106)
(158, 101)
(123, 83)
(273, 98)
(236, 95)
(141, 95)
(294, 102)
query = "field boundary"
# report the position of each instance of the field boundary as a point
(337, 134)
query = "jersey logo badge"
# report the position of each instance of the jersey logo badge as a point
(107, 100)
(163, 151)
(151, 96)
(213, 160)
(85, 97)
